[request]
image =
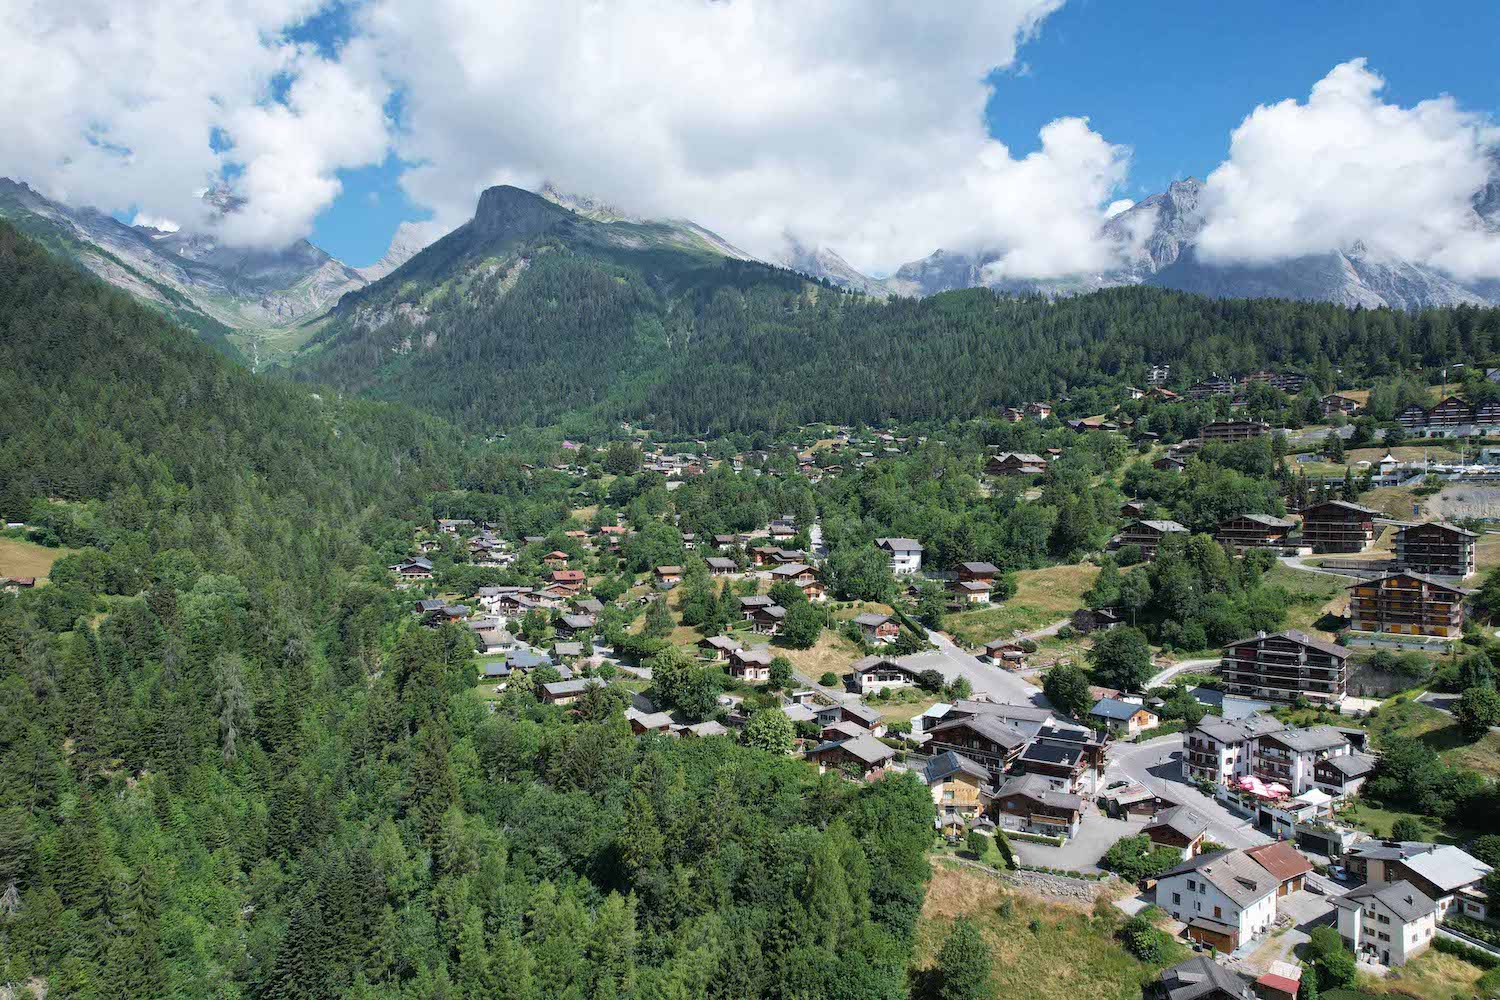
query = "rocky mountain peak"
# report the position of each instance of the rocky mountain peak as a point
(506, 212)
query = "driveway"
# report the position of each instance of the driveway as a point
(1000, 684)
(1204, 666)
(1157, 764)
(1097, 833)
(1444, 703)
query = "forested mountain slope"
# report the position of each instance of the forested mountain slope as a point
(232, 765)
(530, 314)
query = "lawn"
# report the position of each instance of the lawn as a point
(22, 558)
(1364, 816)
(1040, 950)
(911, 704)
(1043, 596)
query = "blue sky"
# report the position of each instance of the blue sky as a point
(1172, 78)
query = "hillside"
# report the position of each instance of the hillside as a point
(531, 314)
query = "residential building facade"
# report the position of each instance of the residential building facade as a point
(1286, 666)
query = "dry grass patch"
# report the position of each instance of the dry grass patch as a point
(1487, 552)
(1043, 596)
(1432, 974)
(831, 652)
(22, 558)
(1041, 951)
(1392, 501)
(1482, 756)
(1314, 595)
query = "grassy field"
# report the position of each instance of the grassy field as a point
(1043, 596)
(22, 558)
(1487, 552)
(831, 652)
(1041, 951)
(1392, 501)
(1482, 756)
(1313, 596)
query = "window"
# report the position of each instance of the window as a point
(1192, 885)
(1176, 897)
(1382, 918)
(1218, 912)
(1202, 888)
(1383, 936)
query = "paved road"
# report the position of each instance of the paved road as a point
(1209, 665)
(1157, 764)
(1000, 684)
(1444, 703)
(1296, 562)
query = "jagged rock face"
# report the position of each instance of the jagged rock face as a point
(828, 265)
(240, 287)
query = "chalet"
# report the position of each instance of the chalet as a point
(1336, 403)
(570, 625)
(667, 576)
(1013, 463)
(957, 784)
(1414, 417)
(967, 592)
(648, 722)
(750, 664)
(1089, 620)
(905, 554)
(1127, 717)
(1387, 922)
(1133, 801)
(412, 569)
(453, 526)
(1342, 776)
(1038, 411)
(716, 647)
(1012, 415)
(877, 628)
(720, 566)
(1163, 395)
(1030, 803)
(981, 572)
(1254, 531)
(1338, 526)
(764, 555)
(765, 619)
(1006, 652)
(726, 543)
(427, 606)
(1286, 666)
(1436, 549)
(1225, 898)
(556, 559)
(573, 579)
(1200, 978)
(1148, 535)
(1132, 510)
(565, 692)
(860, 755)
(1169, 463)
(689, 540)
(981, 738)
(1407, 604)
(1179, 828)
(875, 672)
(589, 606)
(568, 651)
(803, 576)
(1285, 863)
(515, 604)
(1131, 392)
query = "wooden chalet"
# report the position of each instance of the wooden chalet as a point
(1254, 531)
(1338, 526)
(1407, 604)
(1436, 549)
(1148, 534)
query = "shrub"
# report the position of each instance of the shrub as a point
(829, 679)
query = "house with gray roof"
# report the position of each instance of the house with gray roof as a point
(862, 754)
(905, 554)
(1200, 978)
(1387, 922)
(1030, 802)
(1224, 897)
(1179, 828)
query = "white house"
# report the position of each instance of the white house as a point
(905, 553)
(1291, 755)
(875, 672)
(1390, 922)
(1219, 750)
(1224, 897)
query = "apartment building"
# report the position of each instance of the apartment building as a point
(1338, 526)
(1407, 604)
(1219, 750)
(1286, 666)
(1149, 534)
(1231, 431)
(1290, 756)
(1436, 549)
(1389, 922)
(1254, 531)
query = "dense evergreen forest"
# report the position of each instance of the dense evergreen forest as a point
(547, 330)
(231, 764)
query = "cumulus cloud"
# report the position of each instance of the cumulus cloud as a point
(852, 125)
(1345, 166)
(138, 106)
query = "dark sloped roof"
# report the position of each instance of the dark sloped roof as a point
(1402, 898)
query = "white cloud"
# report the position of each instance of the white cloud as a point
(113, 105)
(156, 222)
(853, 125)
(1116, 207)
(1345, 166)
